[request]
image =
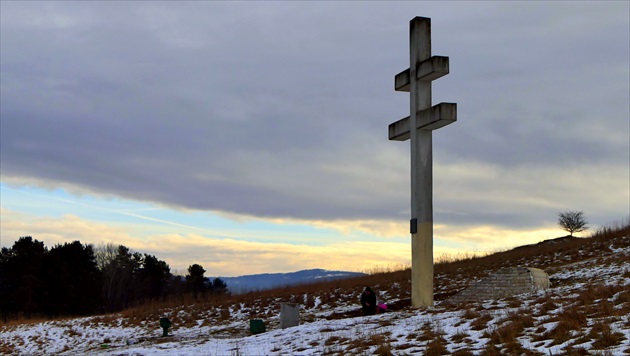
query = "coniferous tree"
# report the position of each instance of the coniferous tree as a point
(73, 280)
(195, 279)
(153, 277)
(22, 288)
(76, 279)
(219, 286)
(126, 286)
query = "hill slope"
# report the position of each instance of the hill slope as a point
(586, 311)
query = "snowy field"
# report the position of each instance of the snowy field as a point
(404, 332)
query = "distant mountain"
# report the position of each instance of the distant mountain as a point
(254, 282)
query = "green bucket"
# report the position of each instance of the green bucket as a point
(256, 326)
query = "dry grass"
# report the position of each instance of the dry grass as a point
(592, 293)
(6, 349)
(24, 320)
(333, 340)
(384, 347)
(514, 302)
(491, 350)
(396, 281)
(547, 306)
(521, 317)
(363, 343)
(623, 296)
(470, 314)
(507, 334)
(569, 320)
(597, 301)
(481, 322)
(459, 336)
(604, 336)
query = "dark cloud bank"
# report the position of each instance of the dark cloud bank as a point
(281, 109)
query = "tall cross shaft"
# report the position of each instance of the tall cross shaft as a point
(418, 126)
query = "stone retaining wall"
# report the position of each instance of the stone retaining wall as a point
(504, 283)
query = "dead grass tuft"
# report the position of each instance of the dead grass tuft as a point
(72, 332)
(376, 339)
(333, 340)
(514, 302)
(470, 314)
(623, 296)
(604, 336)
(491, 350)
(521, 318)
(481, 322)
(571, 321)
(593, 293)
(569, 350)
(6, 349)
(384, 350)
(548, 306)
(428, 333)
(459, 336)
(437, 346)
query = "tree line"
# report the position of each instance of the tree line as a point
(77, 279)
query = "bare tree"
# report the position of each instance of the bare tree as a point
(119, 266)
(105, 254)
(572, 221)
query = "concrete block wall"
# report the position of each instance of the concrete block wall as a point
(504, 283)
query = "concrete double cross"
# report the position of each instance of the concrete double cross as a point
(418, 126)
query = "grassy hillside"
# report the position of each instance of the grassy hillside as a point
(586, 311)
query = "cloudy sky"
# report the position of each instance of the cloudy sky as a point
(251, 137)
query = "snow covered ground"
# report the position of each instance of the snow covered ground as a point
(528, 324)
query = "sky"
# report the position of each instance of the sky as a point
(251, 137)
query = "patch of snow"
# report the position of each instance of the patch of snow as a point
(403, 328)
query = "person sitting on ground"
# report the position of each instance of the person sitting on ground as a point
(368, 301)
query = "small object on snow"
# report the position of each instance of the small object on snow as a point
(165, 324)
(256, 326)
(382, 308)
(289, 315)
(104, 346)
